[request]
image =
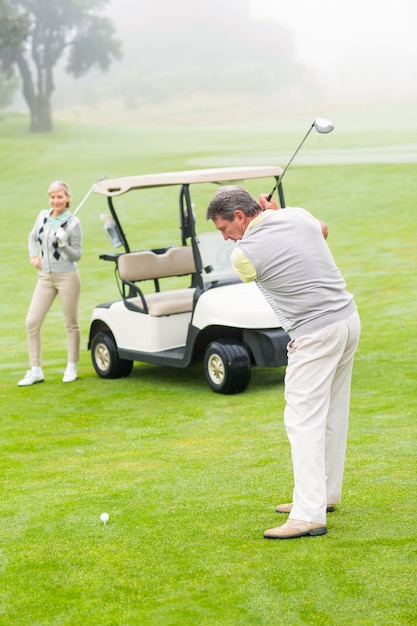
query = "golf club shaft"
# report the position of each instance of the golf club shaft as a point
(88, 194)
(269, 197)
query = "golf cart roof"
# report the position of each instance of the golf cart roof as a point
(118, 186)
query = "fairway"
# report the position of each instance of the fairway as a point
(190, 478)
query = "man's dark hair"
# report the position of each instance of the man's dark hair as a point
(228, 199)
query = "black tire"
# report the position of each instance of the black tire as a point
(105, 359)
(227, 366)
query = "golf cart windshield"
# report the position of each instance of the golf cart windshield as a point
(211, 252)
(215, 255)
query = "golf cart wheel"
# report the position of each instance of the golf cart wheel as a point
(105, 359)
(227, 366)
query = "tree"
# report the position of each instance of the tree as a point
(13, 30)
(36, 34)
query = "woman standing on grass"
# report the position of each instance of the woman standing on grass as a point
(54, 249)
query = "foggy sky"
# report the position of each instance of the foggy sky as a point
(357, 46)
(327, 50)
(352, 47)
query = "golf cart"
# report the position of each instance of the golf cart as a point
(183, 302)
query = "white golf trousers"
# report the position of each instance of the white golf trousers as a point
(67, 285)
(317, 394)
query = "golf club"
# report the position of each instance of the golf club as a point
(87, 195)
(322, 126)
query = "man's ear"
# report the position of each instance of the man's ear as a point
(239, 214)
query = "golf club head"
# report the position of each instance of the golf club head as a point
(322, 125)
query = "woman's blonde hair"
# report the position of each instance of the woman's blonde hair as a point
(59, 185)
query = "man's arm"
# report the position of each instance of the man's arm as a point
(264, 204)
(242, 266)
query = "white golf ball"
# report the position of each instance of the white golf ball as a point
(104, 517)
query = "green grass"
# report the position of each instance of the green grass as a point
(190, 478)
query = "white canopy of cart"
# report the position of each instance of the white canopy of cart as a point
(118, 186)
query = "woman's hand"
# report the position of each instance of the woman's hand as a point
(36, 262)
(62, 237)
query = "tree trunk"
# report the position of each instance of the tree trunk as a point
(39, 104)
(40, 115)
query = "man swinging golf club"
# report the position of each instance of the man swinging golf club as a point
(285, 252)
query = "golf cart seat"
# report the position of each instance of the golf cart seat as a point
(134, 267)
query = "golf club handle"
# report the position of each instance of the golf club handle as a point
(269, 197)
(277, 184)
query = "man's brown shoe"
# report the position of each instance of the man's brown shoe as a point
(294, 528)
(287, 508)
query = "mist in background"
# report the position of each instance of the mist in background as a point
(293, 51)
(356, 47)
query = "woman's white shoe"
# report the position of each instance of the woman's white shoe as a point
(70, 374)
(31, 378)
